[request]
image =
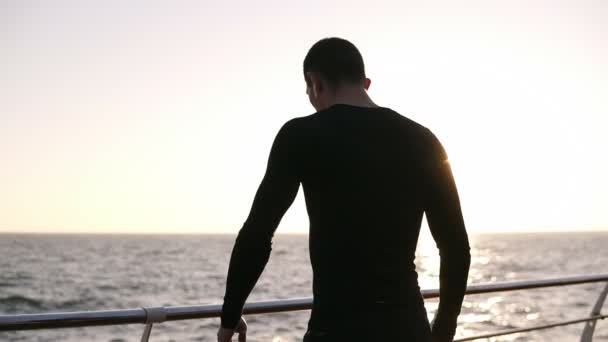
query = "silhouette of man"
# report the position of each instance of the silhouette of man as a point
(368, 174)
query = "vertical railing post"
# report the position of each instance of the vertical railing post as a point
(153, 315)
(587, 335)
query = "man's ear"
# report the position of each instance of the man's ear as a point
(316, 83)
(307, 79)
(368, 82)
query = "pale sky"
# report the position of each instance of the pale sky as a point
(158, 116)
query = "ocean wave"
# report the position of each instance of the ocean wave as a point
(19, 304)
(7, 284)
(14, 302)
(72, 304)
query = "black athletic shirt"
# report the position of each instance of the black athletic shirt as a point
(369, 175)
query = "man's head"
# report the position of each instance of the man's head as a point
(330, 65)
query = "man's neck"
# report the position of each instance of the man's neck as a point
(352, 96)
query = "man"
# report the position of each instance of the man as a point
(368, 174)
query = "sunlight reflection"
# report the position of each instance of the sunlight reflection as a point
(490, 302)
(474, 318)
(427, 262)
(532, 316)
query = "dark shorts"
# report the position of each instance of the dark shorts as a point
(395, 324)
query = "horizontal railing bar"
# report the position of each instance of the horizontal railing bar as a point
(71, 319)
(535, 327)
(130, 316)
(530, 284)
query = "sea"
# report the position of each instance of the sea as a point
(64, 272)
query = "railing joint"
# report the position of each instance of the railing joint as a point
(153, 315)
(156, 314)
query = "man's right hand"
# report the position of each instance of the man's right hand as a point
(443, 328)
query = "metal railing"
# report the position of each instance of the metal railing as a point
(151, 315)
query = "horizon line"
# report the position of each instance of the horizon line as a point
(472, 232)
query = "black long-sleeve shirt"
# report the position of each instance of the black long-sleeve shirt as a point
(369, 175)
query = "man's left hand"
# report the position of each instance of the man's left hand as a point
(225, 335)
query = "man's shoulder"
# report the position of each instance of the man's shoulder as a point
(296, 125)
(303, 119)
(414, 127)
(297, 121)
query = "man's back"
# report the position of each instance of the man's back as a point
(363, 173)
(366, 175)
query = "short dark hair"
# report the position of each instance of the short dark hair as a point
(337, 60)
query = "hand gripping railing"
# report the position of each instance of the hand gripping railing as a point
(149, 316)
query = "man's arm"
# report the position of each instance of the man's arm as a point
(252, 247)
(446, 223)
